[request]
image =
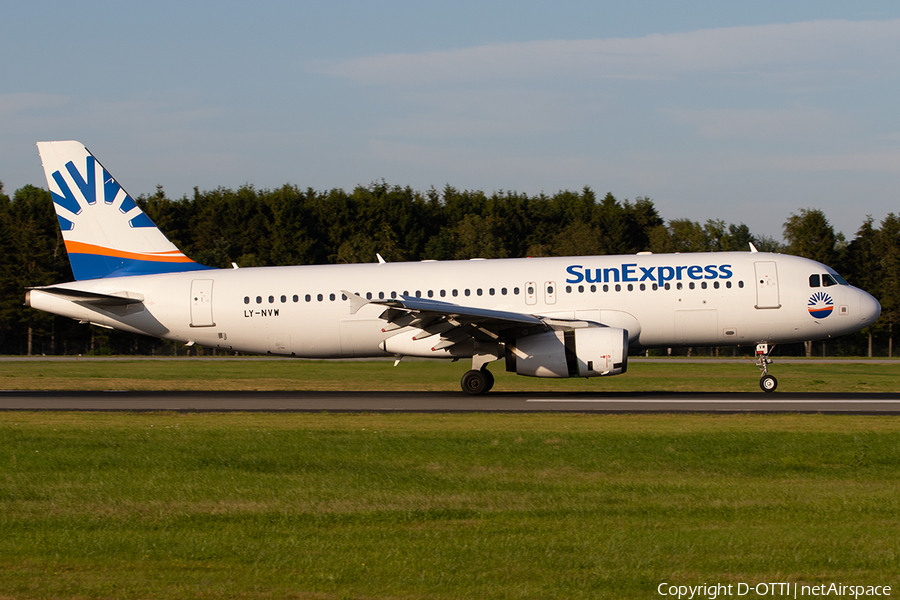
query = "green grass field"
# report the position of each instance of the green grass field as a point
(391, 506)
(209, 506)
(243, 374)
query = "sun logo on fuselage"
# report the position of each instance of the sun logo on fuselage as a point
(820, 305)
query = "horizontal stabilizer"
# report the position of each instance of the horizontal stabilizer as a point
(93, 298)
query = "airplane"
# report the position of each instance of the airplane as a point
(546, 317)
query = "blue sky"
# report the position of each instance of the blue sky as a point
(744, 112)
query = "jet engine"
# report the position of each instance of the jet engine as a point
(588, 352)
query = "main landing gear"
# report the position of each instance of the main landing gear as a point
(479, 380)
(767, 382)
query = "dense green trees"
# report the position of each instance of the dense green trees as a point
(290, 225)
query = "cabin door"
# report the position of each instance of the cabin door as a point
(201, 303)
(767, 285)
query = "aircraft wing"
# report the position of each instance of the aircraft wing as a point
(437, 308)
(455, 323)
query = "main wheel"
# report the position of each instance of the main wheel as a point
(490, 379)
(476, 383)
(768, 383)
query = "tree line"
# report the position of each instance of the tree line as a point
(294, 226)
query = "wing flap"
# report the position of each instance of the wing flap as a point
(458, 312)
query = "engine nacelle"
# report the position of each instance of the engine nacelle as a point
(589, 352)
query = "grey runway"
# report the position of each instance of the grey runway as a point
(453, 402)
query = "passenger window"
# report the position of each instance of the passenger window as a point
(593, 288)
(716, 284)
(515, 291)
(297, 298)
(259, 299)
(618, 287)
(728, 284)
(703, 285)
(418, 293)
(692, 285)
(331, 297)
(502, 291)
(393, 295)
(814, 281)
(454, 293)
(630, 287)
(368, 295)
(271, 299)
(381, 295)
(443, 293)
(319, 297)
(605, 287)
(468, 293)
(568, 289)
(679, 286)
(308, 298)
(491, 291)
(431, 293)
(643, 287)
(283, 299)
(246, 299)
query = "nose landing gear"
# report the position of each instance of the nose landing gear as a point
(767, 382)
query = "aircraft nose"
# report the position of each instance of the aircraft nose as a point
(869, 309)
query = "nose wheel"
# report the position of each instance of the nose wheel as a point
(767, 382)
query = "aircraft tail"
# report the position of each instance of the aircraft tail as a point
(106, 233)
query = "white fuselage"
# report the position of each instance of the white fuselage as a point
(665, 300)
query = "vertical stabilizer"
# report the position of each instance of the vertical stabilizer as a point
(105, 232)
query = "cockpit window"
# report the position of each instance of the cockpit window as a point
(839, 279)
(826, 280)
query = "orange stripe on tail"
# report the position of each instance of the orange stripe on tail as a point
(169, 256)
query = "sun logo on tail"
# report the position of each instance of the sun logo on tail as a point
(112, 196)
(820, 305)
(105, 231)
